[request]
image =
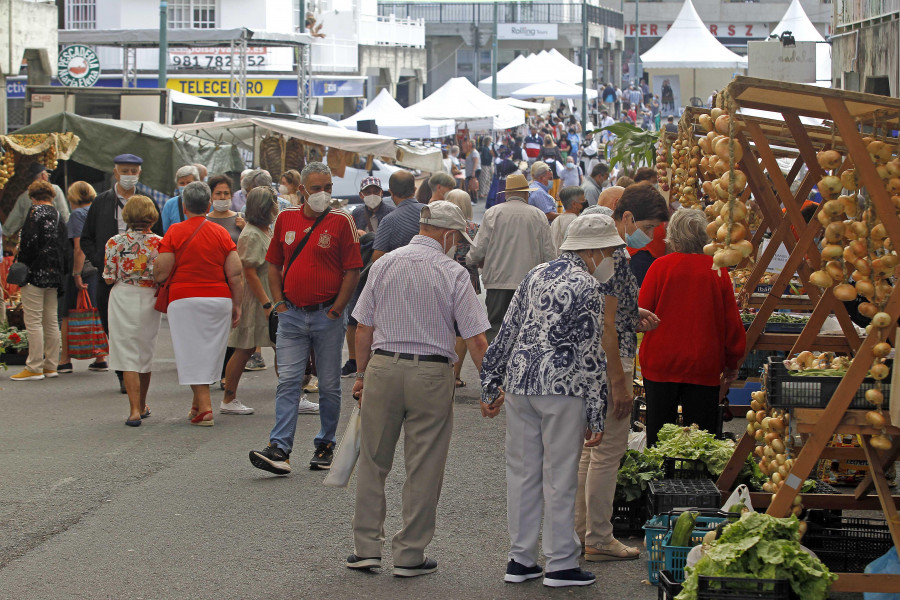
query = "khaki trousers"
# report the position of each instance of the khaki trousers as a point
(597, 477)
(417, 396)
(39, 306)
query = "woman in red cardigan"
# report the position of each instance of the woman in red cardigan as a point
(699, 343)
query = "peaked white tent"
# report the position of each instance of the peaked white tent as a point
(534, 68)
(797, 22)
(538, 107)
(393, 120)
(461, 101)
(553, 89)
(687, 47)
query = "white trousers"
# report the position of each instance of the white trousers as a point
(544, 436)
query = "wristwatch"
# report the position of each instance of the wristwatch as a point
(267, 306)
(360, 374)
(334, 313)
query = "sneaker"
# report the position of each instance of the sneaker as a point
(234, 408)
(321, 460)
(272, 459)
(256, 363)
(312, 387)
(517, 572)
(305, 407)
(50, 374)
(428, 566)
(98, 366)
(27, 375)
(568, 577)
(358, 562)
(64, 368)
(349, 368)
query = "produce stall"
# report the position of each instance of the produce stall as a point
(852, 158)
(17, 152)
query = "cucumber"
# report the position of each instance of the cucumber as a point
(684, 527)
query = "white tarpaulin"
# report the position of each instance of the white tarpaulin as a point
(688, 44)
(538, 107)
(394, 120)
(458, 99)
(244, 132)
(797, 22)
(553, 89)
(534, 68)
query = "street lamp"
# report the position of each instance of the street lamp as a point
(584, 43)
(637, 41)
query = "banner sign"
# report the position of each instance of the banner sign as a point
(527, 31)
(78, 66)
(720, 30)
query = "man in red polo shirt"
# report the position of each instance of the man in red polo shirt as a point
(310, 295)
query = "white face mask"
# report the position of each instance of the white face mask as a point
(448, 250)
(319, 201)
(127, 182)
(372, 201)
(221, 205)
(282, 190)
(603, 272)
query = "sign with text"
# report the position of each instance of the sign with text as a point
(720, 30)
(214, 58)
(78, 66)
(527, 31)
(217, 87)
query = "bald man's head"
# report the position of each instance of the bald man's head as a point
(402, 185)
(610, 196)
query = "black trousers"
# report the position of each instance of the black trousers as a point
(699, 404)
(496, 302)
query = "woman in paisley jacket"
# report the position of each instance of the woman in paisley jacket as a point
(548, 363)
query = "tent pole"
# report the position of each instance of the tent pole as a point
(494, 50)
(254, 147)
(584, 54)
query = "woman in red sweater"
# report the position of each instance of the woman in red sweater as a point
(699, 343)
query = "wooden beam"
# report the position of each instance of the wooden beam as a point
(887, 459)
(858, 582)
(825, 501)
(736, 463)
(883, 489)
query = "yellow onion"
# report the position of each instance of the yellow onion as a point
(879, 371)
(830, 186)
(834, 269)
(881, 349)
(833, 207)
(829, 159)
(832, 251)
(867, 309)
(834, 232)
(865, 288)
(880, 442)
(821, 279)
(850, 205)
(879, 232)
(881, 319)
(850, 180)
(844, 292)
(706, 122)
(879, 152)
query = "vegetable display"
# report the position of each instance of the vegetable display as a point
(759, 546)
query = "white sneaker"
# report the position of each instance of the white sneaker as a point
(234, 408)
(305, 407)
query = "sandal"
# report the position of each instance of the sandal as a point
(202, 421)
(146, 413)
(615, 550)
(192, 413)
(460, 383)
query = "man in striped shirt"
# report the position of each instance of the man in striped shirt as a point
(399, 227)
(406, 314)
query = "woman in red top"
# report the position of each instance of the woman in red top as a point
(204, 296)
(699, 343)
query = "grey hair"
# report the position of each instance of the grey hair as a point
(256, 178)
(313, 167)
(686, 231)
(187, 170)
(195, 197)
(462, 200)
(442, 179)
(569, 194)
(259, 206)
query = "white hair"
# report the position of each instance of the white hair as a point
(187, 170)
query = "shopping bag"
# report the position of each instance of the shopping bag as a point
(888, 565)
(740, 495)
(347, 454)
(637, 440)
(86, 337)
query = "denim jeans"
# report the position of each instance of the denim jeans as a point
(297, 331)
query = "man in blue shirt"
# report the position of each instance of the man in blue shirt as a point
(173, 212)
(542, 176)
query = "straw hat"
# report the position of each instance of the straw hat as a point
(517, 183)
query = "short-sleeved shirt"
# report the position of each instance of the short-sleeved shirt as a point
(541, 198)
(332, 250)
(76, 221)
(473, 162)
(230, 225)
(199, 272)
(130, 257)
(624, 287)
(399, 227)
(367, 220)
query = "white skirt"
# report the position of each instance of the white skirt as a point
(200, 328)
(133, 327)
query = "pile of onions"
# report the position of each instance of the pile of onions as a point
(685, 161)
(771, 428)
(662, 161)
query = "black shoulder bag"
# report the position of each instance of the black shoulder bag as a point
(19, 272)
(273, 316)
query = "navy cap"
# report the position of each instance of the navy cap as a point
(128, 159)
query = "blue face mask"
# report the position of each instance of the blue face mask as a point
(179, 190)
(637, 238)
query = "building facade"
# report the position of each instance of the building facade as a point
(865, 47)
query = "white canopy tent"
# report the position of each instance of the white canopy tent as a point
(687, 47)
(553, 89)
(534, 68)
(797, 22)
(566, 68)
(393, 120)
(461, 101)
(246, 133)
(538, 107)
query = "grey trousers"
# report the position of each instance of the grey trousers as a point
(496, 302)
(417, 397)
(544, 437)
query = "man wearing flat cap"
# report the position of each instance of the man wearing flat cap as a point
(405, 346)
(104, 220)
(17, 215)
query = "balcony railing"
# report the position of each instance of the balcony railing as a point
(847, 12)
(508, 12)
(333, 55)
(391, 31)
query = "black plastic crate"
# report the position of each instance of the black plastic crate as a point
(669, 494)
(668, 589)
(797, 391)
(784, 327)
(754, 362)
(738, 588)
(628, 517)
(848, 544)
(684, 468)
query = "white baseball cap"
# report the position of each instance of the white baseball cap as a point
(445, 215)
(591, 232)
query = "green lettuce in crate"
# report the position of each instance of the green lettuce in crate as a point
(759, 546)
